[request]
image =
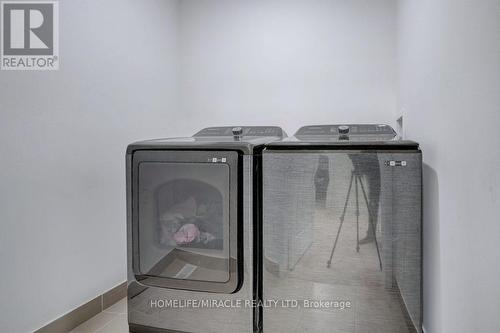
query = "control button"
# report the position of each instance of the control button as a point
(237, 131)
(343, 129)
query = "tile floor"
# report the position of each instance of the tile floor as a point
(111, 320)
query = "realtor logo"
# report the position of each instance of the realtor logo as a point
(29, 35)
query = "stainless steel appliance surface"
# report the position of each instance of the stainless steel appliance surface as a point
(190, 231)
(342, 226)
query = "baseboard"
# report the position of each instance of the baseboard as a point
(86, 311)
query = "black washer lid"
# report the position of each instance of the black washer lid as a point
(345, 136)
(242, 131)
(358, 132)
(242, 138)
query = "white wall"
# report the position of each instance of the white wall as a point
(450, 94)
(288, 62)
(63, 136)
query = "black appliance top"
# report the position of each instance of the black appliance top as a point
(243, 138)
(352, 136)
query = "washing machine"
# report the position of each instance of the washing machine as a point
(192, 219)
(342, 231)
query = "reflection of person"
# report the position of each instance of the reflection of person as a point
(321, 180)
(367, 166)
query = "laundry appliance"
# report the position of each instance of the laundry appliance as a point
(342, 231)
(192, 219)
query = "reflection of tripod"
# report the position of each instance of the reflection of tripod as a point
(356, 178)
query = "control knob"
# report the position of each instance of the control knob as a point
(343, 130)
(237, 131)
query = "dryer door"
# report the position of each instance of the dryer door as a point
(185, 220)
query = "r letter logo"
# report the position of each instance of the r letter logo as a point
(30, 35)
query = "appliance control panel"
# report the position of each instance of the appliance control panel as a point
(241, 131)
(348, 130)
